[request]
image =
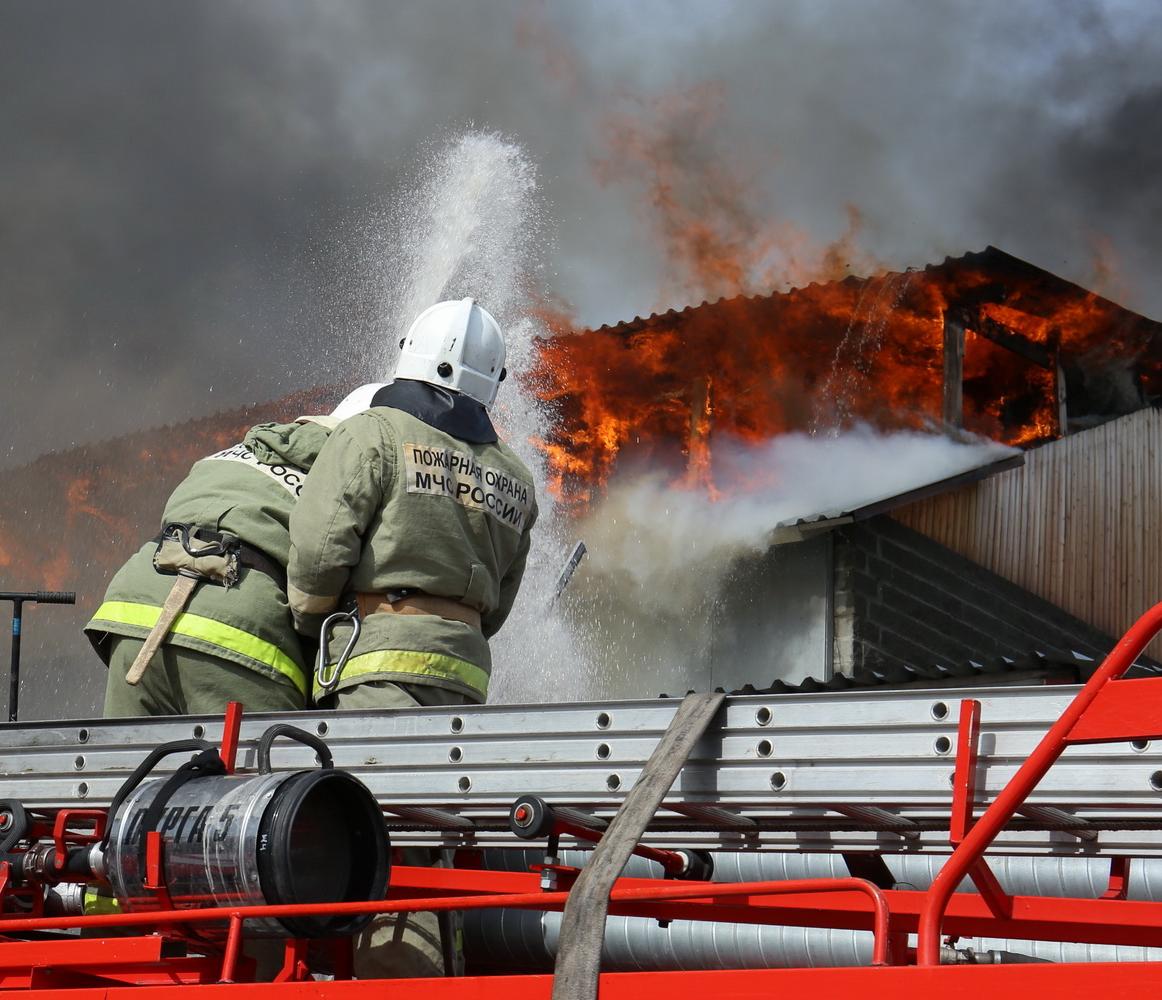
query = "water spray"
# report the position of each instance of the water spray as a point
(474, 224)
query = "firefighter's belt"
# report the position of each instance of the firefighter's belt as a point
(416, 602)
(211, 555)
(192, 554)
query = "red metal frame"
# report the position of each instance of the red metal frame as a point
(231, 730)
(1002, 982)
(964, 777)
(671, 861)
(1107, 709)
(64, 829)
(1119, 883)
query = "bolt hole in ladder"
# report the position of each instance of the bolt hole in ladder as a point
(578, 965)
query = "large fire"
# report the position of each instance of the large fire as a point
(70, 518)
(1036, 352)
(660, 392)
(663, 392)
(987, 343)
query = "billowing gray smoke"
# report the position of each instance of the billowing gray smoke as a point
(184, 187)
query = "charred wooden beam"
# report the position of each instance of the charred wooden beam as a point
(1059, 387)
(953, 369)
(959, 318)
(698, 442)
(1043, 356)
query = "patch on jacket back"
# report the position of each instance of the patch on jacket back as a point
(289, 477)
(442, 472)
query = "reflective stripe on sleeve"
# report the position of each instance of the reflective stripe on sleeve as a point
(408, 661)
(208, 630)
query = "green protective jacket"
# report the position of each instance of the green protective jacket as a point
(393, 503)
(249, 490)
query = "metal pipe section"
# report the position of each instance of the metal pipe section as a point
(1021, 875)
(1024, 875)
(506, 940)
(525, 939)
(529, 940)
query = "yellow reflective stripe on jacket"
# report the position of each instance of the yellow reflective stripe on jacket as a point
(408, 661)
(208, 630)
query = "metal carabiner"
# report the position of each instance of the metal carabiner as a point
(323, 680)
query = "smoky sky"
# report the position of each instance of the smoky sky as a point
(189, 190)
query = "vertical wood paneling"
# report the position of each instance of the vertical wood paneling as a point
(1079, 525)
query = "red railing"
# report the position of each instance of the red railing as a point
(638, 894)
(1102, 712)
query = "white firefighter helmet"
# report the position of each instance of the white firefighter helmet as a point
(456, 345)
(356, 401)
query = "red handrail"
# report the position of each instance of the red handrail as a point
(663, 891)
(1013, 795)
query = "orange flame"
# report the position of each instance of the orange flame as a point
(660, 390)
(69, 519)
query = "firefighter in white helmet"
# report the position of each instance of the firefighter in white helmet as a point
(416, 518)
(416, 515)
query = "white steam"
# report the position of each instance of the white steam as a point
(662, 602)
(653, 531)
(684, 590)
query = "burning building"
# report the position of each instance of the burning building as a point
(984, 570)
(985, 342)
(946, 578)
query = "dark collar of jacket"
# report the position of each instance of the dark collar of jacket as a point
(450, 412)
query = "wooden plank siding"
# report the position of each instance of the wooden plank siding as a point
(1080, 524)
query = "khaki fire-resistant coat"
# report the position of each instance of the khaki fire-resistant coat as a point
(249, 490)
(393, 503)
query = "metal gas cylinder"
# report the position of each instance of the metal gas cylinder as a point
(292, 837)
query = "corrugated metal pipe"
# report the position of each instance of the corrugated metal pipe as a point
(513, 939)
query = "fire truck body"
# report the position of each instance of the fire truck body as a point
(885, 782)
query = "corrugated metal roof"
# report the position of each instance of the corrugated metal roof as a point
(799, 528)
(990, 258)
(1029, 667)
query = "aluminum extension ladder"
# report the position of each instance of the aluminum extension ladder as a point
(813, 772)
